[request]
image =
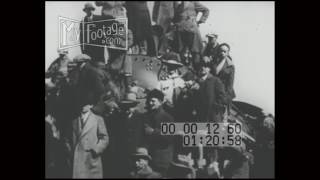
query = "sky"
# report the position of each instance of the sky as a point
(248, 27)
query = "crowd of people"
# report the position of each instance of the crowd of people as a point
(94, 127)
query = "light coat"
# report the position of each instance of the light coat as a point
(93, 136)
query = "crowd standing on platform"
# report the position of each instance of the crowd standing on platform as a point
(94, 128)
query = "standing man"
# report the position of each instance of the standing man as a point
(90, 139)
(185, 108)
(139, 21)
(161, 147)
(212, 96)
(211, 101)
(128, 134)
(57, 74)
(211, 50)
(87, 49)
(92, 83)
(222, 67)
(162, 15)
(188, 34)
(112, 8)
(132, 123)
(59, 65)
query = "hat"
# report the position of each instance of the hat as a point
(212, 35)
(155, 93)
(189, 76)
(98, 64)
(157, 30)
(172, 63)
(106, 102)
(142, 152)
(88, 6)
(171, 59)
(182, 161)
(81, 58)
(130, 100)
(204, 64)
(63, 51)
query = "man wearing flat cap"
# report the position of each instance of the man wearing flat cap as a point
(142, 169)
(161, 147)
(211, 50)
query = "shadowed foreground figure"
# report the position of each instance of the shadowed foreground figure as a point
(161, 147)
(141, 168)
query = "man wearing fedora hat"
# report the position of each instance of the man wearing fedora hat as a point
(142, 169)
(181, 167)
(133, 121)
(127, 134)
(90, 17)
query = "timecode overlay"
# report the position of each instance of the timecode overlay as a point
(205, 134)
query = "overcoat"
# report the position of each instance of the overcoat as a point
(92, 136)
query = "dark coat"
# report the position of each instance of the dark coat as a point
(226, 75)
(128, 136)
(139, 22)
(58, 65)
(146, 173)
(160, 147)
(185, 18)
(134, 126)
(56, 156)
(125, 135)
(211, 51)
(112, 8)
(95, 52)
(211, 99)
(92, 84)
(239, 165)
(163, 13)
(185, 105)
